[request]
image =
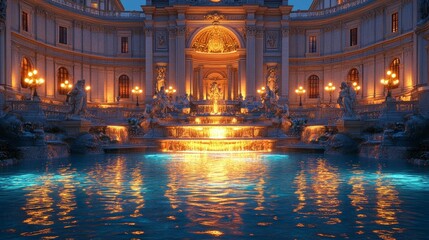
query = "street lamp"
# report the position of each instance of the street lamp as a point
(66, 86)
(356, 87)
(33, 82)
(261, 92)
(330, 88)
(136, 91)
(170, 91)
(390, 82)
(300, 90)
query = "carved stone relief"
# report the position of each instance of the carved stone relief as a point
(272, 40)
(161, 42)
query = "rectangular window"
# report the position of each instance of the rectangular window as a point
(353, 37)
(62, 37)
(24, 21)
(124, 44)
(312, 44)
(395, 22)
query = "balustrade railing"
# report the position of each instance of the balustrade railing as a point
(329, 11)
(92, 11)
(326, 115)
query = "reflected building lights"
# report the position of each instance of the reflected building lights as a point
(208, 201)
(358, 197)
(325, 186)
(387, 207)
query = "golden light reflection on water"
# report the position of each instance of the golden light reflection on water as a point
(39, 206)
(301, 190)
(358, 197)
(136, 187)
(67, 202)
(215, 187)
(325, 186)
(109, 181)
(388, 205)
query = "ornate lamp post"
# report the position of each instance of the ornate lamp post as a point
(170, 91)
(330, 88)
(136, 91)
(300, 91)
(33, 82)
(390, 82)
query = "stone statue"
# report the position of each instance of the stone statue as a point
(272, 79)
(77, 98)
(160, 78)
(161, 103)
(3, 6)
(215, 94)
(269, 99)
(347, 100)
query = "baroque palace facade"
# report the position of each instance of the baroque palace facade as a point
(241, 45)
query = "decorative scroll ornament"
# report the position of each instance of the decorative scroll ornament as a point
(215, 39)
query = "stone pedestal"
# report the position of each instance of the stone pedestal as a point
(75, 127)
(352, 127)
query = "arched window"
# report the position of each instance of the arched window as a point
(394, 67)
(353, 77)
(25, 68)
(64, 83)
(313, 86)
(124, 86)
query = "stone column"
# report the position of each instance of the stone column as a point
(230, 85)
(250, 60)
(242, 77)
(180, 61)
(189, 76)
(259, 61)
(172, 55)
(149, 88)
(200, 83)
(284, 83)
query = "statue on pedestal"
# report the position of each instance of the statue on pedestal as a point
(272, 79)
(215, 94)
(347, 100)
(77, 98)
(160, 78)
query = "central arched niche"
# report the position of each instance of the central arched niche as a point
(215, 39)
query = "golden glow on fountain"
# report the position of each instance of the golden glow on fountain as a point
(215, 39)
(217, 132)
(117, 133)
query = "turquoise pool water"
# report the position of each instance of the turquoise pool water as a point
(214, 196)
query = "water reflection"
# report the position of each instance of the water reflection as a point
(108, 184)
(208, 195)
(358, 197)
(387, 207)
(212, 190)
(325, 186)
(67, 201)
